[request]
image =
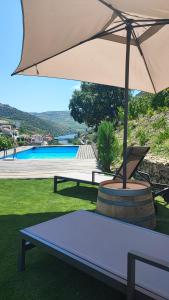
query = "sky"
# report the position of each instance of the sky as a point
(30, 94)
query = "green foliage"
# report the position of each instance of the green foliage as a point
(142, 136)
(75, 141)
(120, 112)
(145, 104)
(94, 103)
(162, 148)
(107, 145)
(21, 143)
(161, 99)
(160, 123)
(5, 142)
(162, 136)
(140, 105)
(150, 112)
(53, 142)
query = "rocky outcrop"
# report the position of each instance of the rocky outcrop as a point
(157, 168)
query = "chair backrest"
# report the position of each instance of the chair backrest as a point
(135, 155)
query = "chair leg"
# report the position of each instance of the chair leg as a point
(155, 207)
(55, 184)
(166, 196)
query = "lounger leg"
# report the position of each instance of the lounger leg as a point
(130, 278)
(93, 176)
(21, 257)
(78, 183)
(55, 184)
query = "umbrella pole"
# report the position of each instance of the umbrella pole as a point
(129, 30)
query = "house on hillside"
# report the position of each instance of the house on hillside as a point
(48, 138)
(36, 139)
(6, 129)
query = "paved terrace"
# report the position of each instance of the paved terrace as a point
(80, 166)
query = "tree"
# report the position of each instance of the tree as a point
(161, 99)
(94, 103)
(140, 105)
(107, 145)
(5, 143)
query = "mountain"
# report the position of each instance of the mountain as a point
(27, 121)
(62, 119)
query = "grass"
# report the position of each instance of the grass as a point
(27, 202)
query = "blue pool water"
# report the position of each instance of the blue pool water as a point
(57, 152)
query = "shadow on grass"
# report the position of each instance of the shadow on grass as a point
(45, 277)
(83, 192)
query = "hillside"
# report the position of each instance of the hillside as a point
(150, 130)
(147, 130)
(62, 119)
(28, 122)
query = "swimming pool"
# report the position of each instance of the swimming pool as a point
(53, 152)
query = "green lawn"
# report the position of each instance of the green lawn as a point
(27, 202)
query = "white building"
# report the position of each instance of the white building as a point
(36, 139)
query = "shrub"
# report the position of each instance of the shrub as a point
(107, 145)
(142, 136)
(21, 143)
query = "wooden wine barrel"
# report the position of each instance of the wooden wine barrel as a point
(133, 204)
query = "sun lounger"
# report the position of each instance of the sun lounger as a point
(135, 155)
(124, 256)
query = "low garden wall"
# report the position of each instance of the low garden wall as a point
(157, 168)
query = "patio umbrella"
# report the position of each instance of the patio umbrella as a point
(92, 40)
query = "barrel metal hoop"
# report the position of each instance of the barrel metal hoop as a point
(128, 192)
(127, 203)
(131, 220)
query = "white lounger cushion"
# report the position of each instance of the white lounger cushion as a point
(105, 242)
(84, 176)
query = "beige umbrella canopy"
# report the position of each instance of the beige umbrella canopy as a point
(92, 40)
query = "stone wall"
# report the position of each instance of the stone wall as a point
(157, 168)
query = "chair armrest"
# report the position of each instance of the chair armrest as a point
(100, 172)
(137, 256)
(105, 173)
(164, 193)
(144, 175)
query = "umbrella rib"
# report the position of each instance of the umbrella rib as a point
(153, 20)
(108, 31)
(122, 17)
(98, 35)
(142, 55)
(113, 17)
(155, 23)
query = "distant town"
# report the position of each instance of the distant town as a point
(13, 131)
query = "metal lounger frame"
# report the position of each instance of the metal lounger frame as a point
(60, 179)
(29, 241)
(118, 173)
